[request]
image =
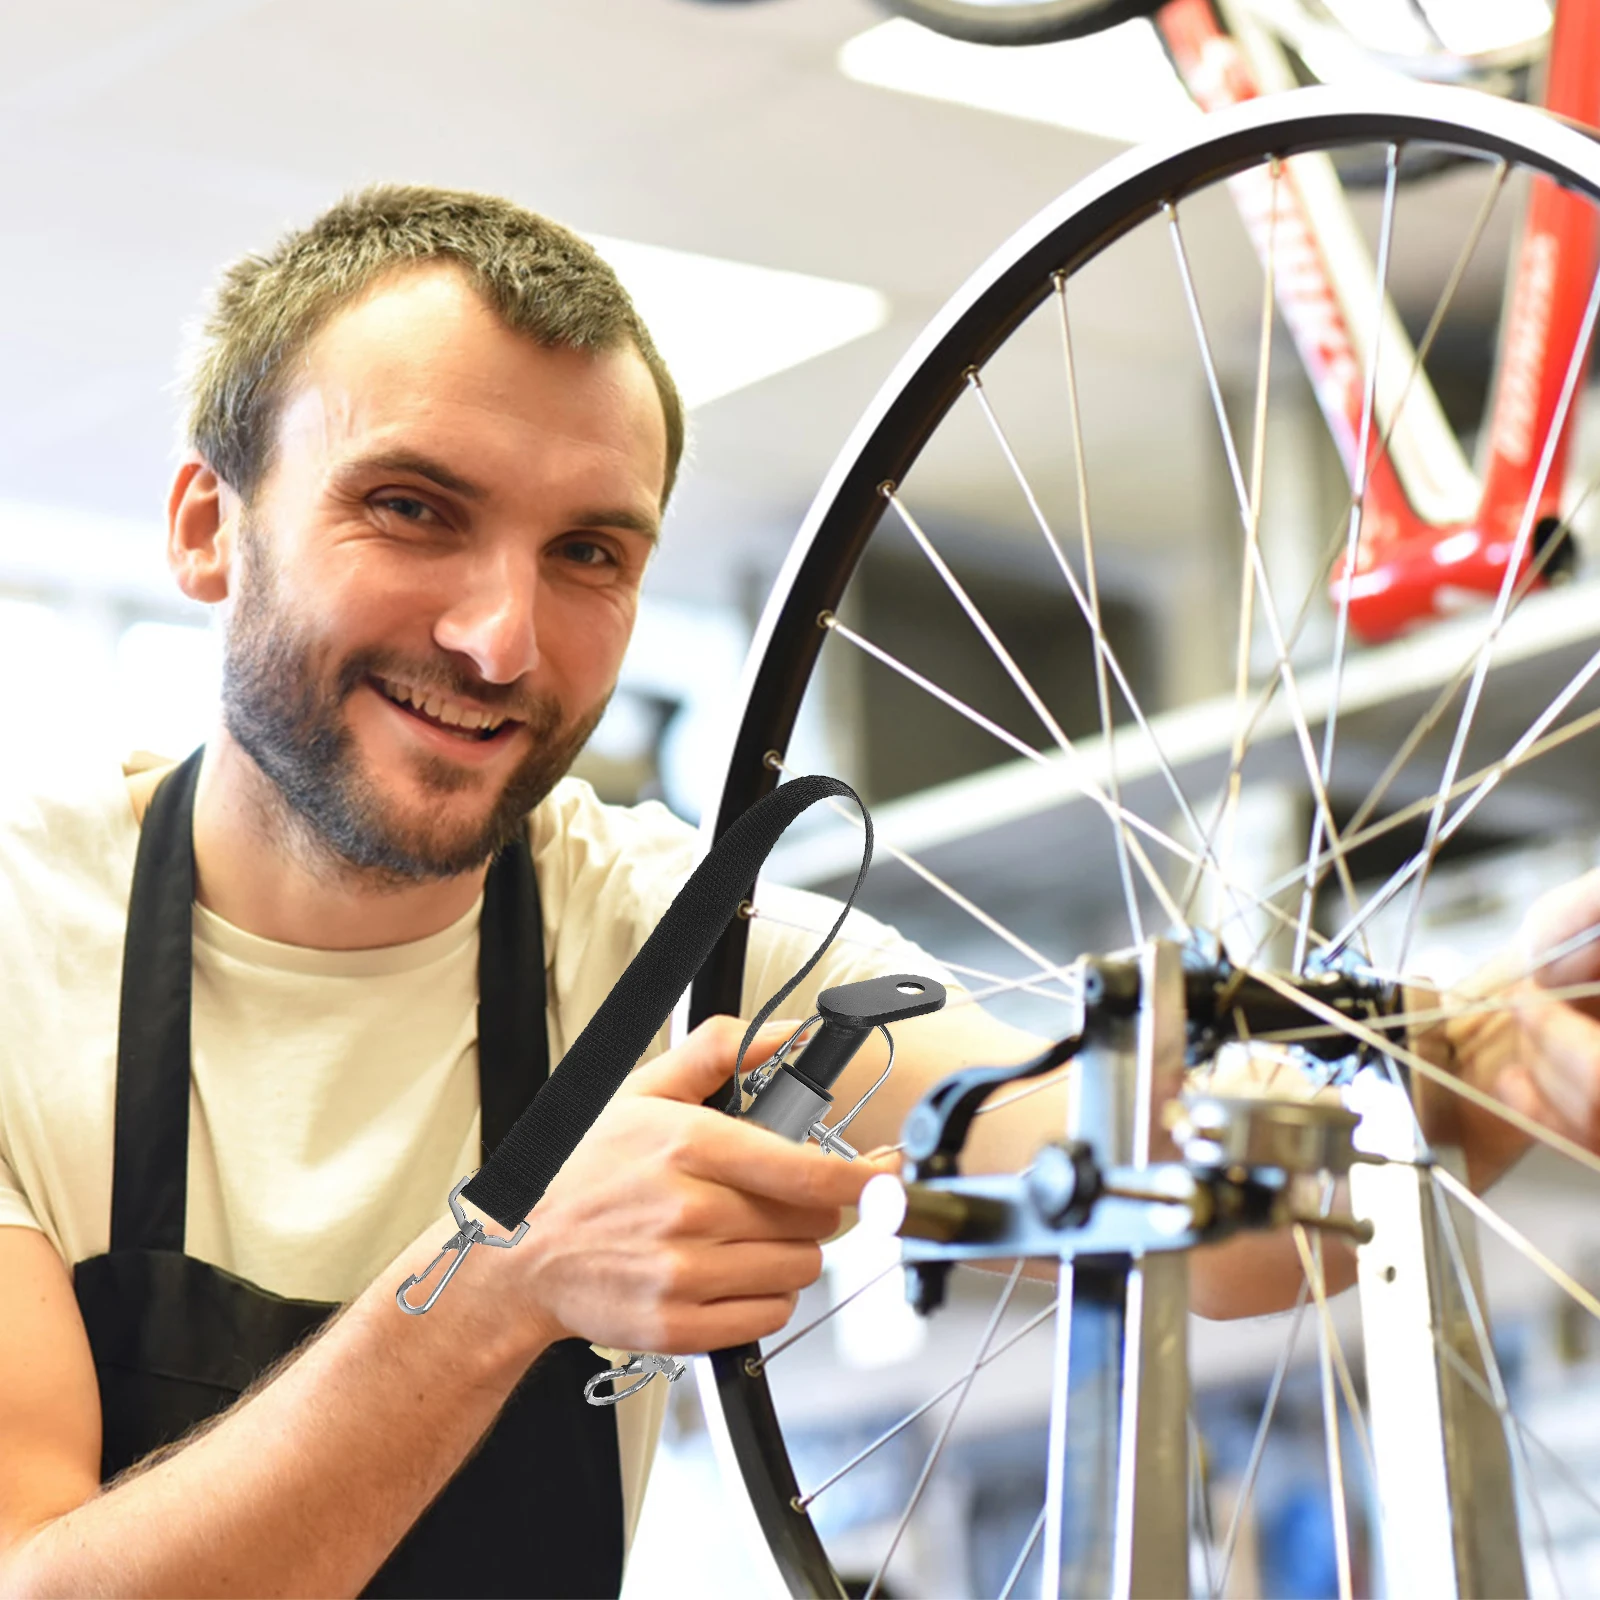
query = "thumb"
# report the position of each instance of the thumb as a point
(1562, 914)
(692, 1070)
(1562, 1064)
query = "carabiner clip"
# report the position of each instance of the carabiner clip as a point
(640, 1368)
(469, 1233)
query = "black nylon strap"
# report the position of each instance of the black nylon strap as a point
(513, 1044)
(150, 1149)
(511, 1182)
(150, 1160)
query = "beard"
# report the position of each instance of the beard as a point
(283, 700)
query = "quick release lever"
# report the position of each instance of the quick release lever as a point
(792, 1097)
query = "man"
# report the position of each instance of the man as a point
(255, 1003)
(430, 443)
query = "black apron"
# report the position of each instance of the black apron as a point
(537, 1509)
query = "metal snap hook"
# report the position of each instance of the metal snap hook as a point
(469, 1233)
(641, 1369)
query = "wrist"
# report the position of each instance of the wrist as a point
(478, 1323)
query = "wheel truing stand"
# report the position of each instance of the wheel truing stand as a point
(1145, 1173)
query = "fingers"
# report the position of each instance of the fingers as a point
(740, 1270)
(1556, 917)
(766, 1164)
(724, 1323)
(1563, 1066)
(735, 1293)
(693, 1069)
(707, 1210)
(1515, 1086)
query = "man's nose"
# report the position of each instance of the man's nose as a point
(491, 617)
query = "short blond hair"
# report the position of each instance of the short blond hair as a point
(540, 278)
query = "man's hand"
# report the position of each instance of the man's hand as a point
(1555, 1076)
(1538, 1054)
(673, 1227)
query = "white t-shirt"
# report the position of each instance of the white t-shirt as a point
(334, 1094)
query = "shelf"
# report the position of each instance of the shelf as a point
(998, 833)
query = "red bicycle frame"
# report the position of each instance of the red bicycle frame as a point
(1417, 561)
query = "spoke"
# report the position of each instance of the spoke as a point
(1007, 986)
(1420, 1064)
(955, 703)
(1067, 995)
(1226, 815)
(1027, 1550)
(1562, 949)
(1030, 694)
(1311, 1260)
(1579, 726)
(1105, 657)
(1336, 539)
(1046, 1080)
(1361, 479)
(1500, 1399)
(1404, 1021)
(1440, 832)
(1518, 1241)
(1102, 647)
(1284, 667)
(1430, 718)
(933, 880)
(1571, 1480)
(1090, 606)
(949, 1422)
(1086, 784)
(1258, 1445)
(755, 1365)
(1200, 1498)
(1523, 1435)
(1519, 549)
(1336, 1348)
(803, 1501)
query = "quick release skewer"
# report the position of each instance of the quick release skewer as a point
(793, 1097)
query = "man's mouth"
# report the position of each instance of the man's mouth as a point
(445, 712)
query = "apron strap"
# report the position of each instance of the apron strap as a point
(513, 1044)
(150, 1160)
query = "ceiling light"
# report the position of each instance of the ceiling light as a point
(722, 325)
(1117, 84)
(1480, 27)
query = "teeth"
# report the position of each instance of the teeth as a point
(433, 704)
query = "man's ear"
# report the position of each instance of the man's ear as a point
(202, 514)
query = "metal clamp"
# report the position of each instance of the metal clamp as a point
(469, 1233)
(759, 1077)
(831, 1141)
(640, 1368)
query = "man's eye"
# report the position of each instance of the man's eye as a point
(588, 553)
(405, 506)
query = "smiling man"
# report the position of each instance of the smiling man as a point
(266, 1006)
(433, 588)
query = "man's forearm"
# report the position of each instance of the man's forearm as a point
(306, 1484)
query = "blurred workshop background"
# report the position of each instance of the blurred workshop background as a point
(790, 190)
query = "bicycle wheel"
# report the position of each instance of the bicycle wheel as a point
(1323, 801)
(1020, 22)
